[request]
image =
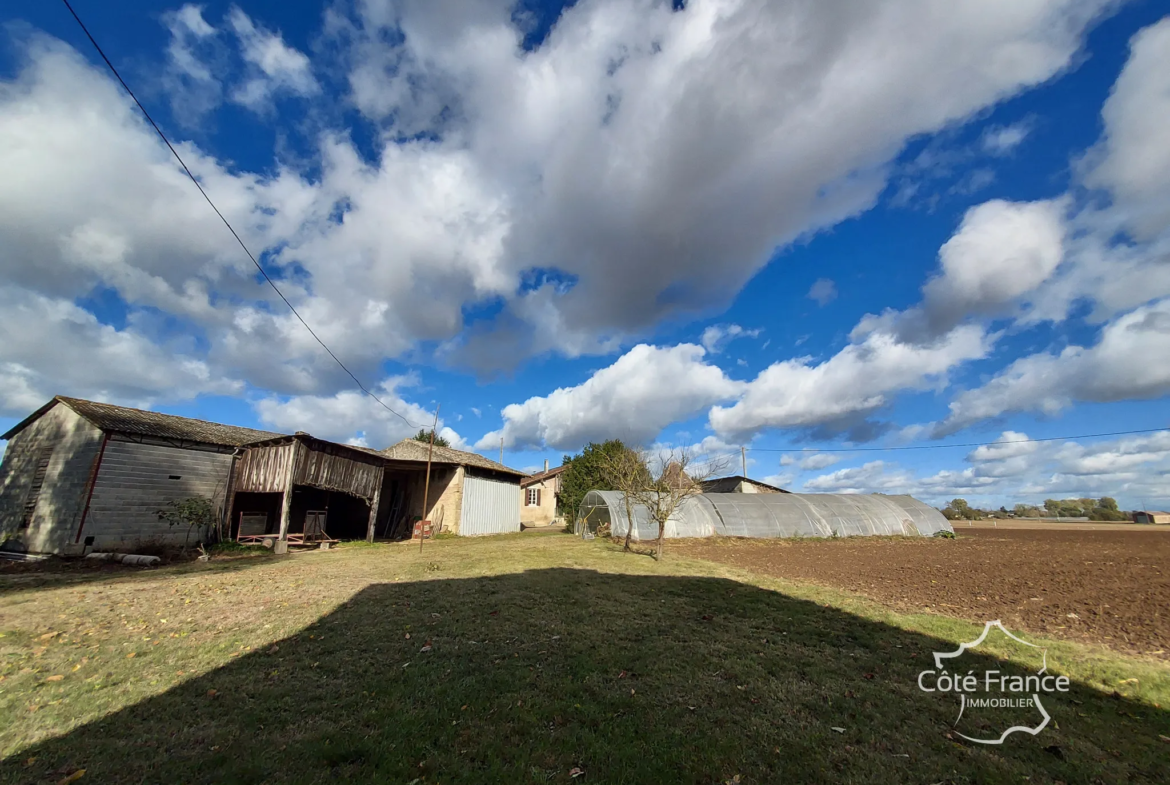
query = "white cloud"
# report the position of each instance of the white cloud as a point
(276, 66)
(645, 390)
(716, 337)
(192, 87)
(352, 416)
(1133, 158)
(819, 461)
(1134, 470)
(1118, 367)
(823, 292)
(90, 359)
(855, 382)
(1004, 139)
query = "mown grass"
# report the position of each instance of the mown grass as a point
(546, 654)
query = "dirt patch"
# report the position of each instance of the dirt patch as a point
(1106, 587)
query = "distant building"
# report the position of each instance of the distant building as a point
(1150, 516)
(538, 497)
(738, 485)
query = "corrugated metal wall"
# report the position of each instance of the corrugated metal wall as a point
(489, 507)
(135, 482)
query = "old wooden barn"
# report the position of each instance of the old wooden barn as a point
(80, 474)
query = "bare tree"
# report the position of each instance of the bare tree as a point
(673, 477)
(626, 471)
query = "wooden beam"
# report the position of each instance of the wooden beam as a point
(286, 503)
(374, 505)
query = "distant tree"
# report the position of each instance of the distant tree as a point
(424, 436)
(1108, 503)
(1052, 506)
(961, 510)
(625, 470)
(585, 473)
(673, 477)
(195, 513)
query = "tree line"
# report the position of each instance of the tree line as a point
(1102, 509)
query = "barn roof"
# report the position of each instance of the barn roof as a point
(414, 450)
(717, 484)
(542, 476)
(139, 422)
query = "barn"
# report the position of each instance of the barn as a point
(78, 471)
(80, 474)
(770, 515)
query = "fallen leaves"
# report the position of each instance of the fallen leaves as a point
(55, 677)
(74, 777)
(576, 772)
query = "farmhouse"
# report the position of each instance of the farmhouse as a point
(1151, 516)
(538, 497)
(81, 474)
(770, 515)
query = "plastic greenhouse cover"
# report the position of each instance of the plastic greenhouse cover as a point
(771, 515)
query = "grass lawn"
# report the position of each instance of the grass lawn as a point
(517, 660)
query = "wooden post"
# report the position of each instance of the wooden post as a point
(422, 531)
(743, 457)
(374, 505)
(286, 502)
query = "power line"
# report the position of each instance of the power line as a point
(263, 272)
(964, 444)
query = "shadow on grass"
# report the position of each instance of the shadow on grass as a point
(630, 678)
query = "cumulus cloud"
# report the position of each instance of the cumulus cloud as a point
(645, 390)
(1117, 368)
(823, 292)
(275, 66)
(90, 359)
(1132, 160)
(353, 417)
(717, 336)
(857, 381)
(819, 461)
(1132, 469)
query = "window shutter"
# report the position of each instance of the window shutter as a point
(538, 497)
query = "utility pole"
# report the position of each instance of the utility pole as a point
(501, 450)
(743, 459)
(422, 526)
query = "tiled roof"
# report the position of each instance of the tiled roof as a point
(123, 419)
(542, 476)
(414, 450)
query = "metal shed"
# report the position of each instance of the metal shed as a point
(771, 515)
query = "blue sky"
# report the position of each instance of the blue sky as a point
(704, 225)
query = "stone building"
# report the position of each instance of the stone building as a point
(538, 497)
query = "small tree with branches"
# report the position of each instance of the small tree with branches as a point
(625, 470)
(194, 513)
(673, 476)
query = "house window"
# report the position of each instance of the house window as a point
(533, 499)
(34, 491)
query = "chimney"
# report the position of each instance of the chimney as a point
(546, 464)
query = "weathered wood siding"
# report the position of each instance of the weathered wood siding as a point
(265, 469)
(337, 473)
(74, 443)
(136, 480)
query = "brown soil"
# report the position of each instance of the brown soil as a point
(1105, 587)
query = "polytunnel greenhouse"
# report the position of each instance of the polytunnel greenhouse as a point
(769, 515)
